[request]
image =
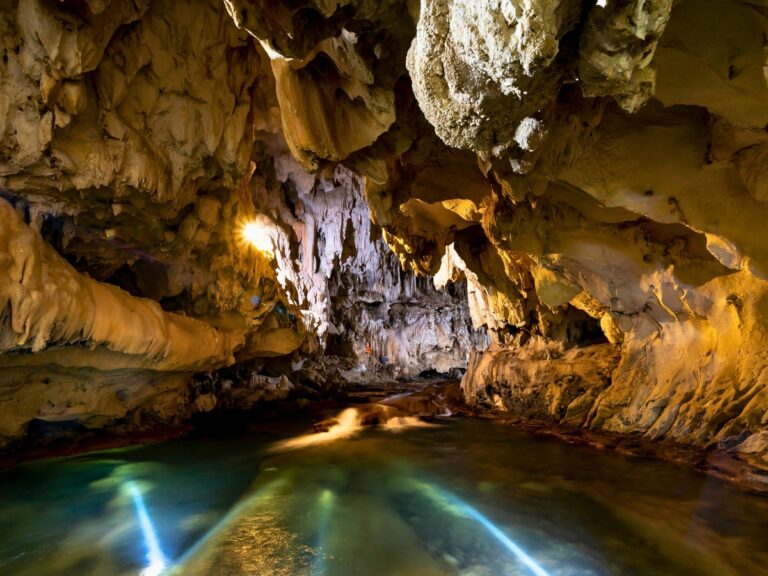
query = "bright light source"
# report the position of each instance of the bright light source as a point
(156, 561)
(257, 236)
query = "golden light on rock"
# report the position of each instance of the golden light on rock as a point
(257, 236)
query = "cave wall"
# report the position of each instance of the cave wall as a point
(592, 172)
(356, 300)
(126, 133)
(570, 158)
(136, 139)
(343, 281)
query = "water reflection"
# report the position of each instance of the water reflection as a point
(350, 423)
(459, 508)
(469, 498)
(156, 561)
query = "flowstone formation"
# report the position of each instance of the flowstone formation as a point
(590, 175)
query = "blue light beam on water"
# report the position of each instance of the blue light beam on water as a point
(503, 538)
(156, 561)
(460, 508)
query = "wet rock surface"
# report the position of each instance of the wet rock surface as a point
(425, 400)
(431, 401)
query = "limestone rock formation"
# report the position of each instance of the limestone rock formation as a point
(610, 224)
(137, 139)
(592, 173)
(616, 194)
(49, 306)
(542, 379)
(482, 70)
(349, 286)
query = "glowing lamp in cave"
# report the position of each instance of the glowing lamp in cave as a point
(257, 236)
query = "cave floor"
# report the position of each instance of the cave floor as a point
(464, 497)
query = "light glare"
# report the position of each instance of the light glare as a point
(524, 558)
(156, 561)
(324, 506)
(461, 508)
(257, 236)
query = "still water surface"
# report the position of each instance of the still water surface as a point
(468, 497)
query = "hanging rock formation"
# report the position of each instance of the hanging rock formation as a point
(136, 140)
(596, 174)
(354, 296)
(591, 172)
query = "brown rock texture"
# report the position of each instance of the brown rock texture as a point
(592, 174)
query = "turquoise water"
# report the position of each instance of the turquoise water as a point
(469, 497)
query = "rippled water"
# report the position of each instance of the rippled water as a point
(469, 497)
